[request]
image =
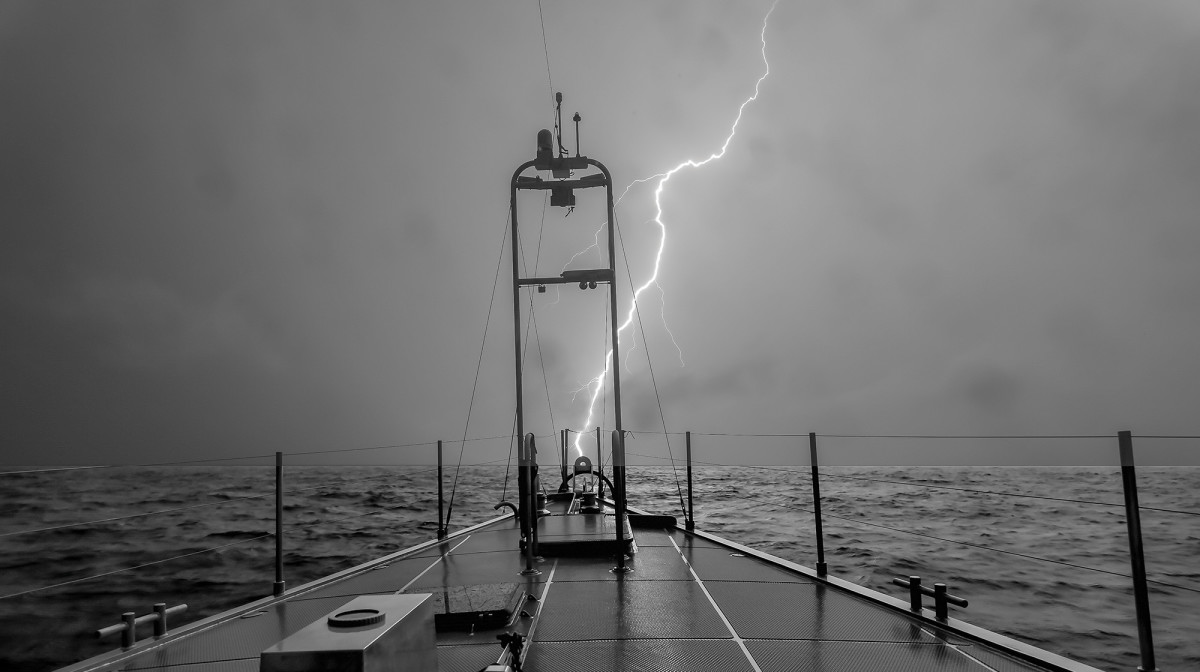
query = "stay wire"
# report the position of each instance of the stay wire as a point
(604, 383)
(533, 318)
(525, 346)
(479, 364)
(646, 346)
(546, 49)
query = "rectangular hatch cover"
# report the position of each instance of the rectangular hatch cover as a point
(370, 633)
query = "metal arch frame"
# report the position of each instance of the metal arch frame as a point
(527, 506)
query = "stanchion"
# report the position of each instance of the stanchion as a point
(526, 496)
(441, 531)
(618, 471)
(564, 435)
(691, 513)
(280, 585)
(822, 568)
(1141, 596)
(600, 467)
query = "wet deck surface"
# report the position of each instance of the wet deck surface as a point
(688, 604)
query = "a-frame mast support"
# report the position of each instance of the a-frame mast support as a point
(563, 189)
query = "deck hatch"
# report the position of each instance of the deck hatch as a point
(371, 633)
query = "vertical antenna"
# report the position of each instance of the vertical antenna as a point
(577, 120)
(558, 123)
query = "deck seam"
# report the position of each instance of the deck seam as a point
(538, 616)
(955, 647)
(431, 566)
(736, 637)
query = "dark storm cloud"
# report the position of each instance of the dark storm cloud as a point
(249, 225)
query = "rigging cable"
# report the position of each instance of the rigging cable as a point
(533, 318)
(646, 346)
(545, 48)
(478, 365)
(525, 351)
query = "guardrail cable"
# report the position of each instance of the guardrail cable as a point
(128, 569)
(202, 505)
(825, 474)
(1005, 494)
(65, 526)
(967, 543)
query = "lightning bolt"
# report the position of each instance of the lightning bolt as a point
(596, 384)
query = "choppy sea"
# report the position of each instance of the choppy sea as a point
(206, 542)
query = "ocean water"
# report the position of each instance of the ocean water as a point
(336, 517)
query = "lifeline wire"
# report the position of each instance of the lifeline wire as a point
(928, 485)
(198, 506)
(966, 543)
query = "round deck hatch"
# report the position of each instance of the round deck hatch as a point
(356, 618)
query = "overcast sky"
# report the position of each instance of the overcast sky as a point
(231, 228)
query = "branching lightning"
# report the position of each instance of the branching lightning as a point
(596, 384)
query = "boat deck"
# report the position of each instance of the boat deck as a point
(689, 603)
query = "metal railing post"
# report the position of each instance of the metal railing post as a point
(618, 471)
(600, 467)
(691, 512)
(280, 585)
(822, 568)
(527, 497)
(565, 434)
(441, 530)
(1141, 596)
(129, 634)
(914, 593)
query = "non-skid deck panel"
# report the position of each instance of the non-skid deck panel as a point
(649, 537)
(1000, 662)
(239, 665)
(240, 637)
(479, 568)
(383, 579)
(815, 656)
(654, 563)
(638, 654)
(687, 541)
(468, 658)
(490, 541)
(723, 564)
(808, 611)
(592, 610)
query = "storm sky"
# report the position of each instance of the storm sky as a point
(231, 228)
